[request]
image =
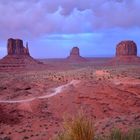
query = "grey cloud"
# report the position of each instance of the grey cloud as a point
(35, 18)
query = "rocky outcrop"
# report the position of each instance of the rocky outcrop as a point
(15, 47)
(126, 48)
(75, 55)
(75, 52)
(126, 53)
(17, 56)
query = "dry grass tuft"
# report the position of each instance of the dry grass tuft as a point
(80, 127)
(77, 128)
(117, 134)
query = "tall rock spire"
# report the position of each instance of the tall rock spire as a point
(27, 49)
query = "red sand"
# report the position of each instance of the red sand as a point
(110, 95)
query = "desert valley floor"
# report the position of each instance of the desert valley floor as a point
(34, 101)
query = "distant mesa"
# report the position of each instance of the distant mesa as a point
(75, 52)
(75, 55)
(126, 52)
(17, 56)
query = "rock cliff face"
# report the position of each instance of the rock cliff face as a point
(75, 55)
(126, 53)
(15, 47)
(126, 48)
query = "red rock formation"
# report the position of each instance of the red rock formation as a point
(75, 55)
(126, 48)
(75, 52)
(126, 53)
(17, 55)
(15, 47)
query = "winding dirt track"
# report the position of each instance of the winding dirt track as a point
(56, 91)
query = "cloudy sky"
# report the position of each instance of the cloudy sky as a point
(53, 27)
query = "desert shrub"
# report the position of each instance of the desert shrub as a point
(117, 134)
(133, 134)
(77, 128)
(80, 127)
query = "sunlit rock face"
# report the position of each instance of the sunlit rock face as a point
(126, 48)
(15, 47)
(75, 55)
(126, 53)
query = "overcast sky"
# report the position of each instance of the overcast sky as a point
(53, 27)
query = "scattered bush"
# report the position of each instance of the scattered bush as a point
(117, 134)
(81, 128)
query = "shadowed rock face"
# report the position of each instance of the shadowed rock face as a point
(126, 48)
(15, 47)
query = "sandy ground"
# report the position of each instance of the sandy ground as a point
(33, 103)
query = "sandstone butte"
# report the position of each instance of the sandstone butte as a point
(126, 52)
(75, 55)
(15, 47)
(17, 56)
(126, 48)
